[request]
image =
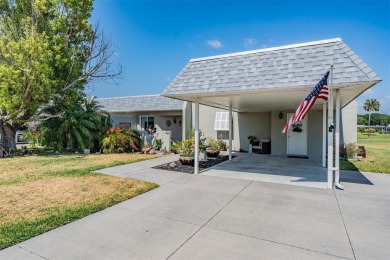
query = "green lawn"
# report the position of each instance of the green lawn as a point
(378, 154)
(40, 193)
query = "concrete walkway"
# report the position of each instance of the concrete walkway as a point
(208, 217)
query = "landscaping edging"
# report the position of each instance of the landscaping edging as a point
(177, 166)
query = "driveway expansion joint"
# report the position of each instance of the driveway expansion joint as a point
(279, 243)
(345, 227)
(209, 220)
(31, 252)
(159, 216)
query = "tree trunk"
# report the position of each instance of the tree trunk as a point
(369, 123)
(8, 134)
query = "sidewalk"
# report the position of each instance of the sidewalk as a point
(143, 170)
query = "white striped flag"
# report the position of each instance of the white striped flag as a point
(321, 90)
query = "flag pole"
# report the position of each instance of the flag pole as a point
(330, 131)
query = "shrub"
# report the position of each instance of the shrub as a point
(222, 145)
(158, 144)
(186, 148)
(214, 144)
(33, 135)
(119, 140)
(370, 130)
(175, 146)
(349, 150)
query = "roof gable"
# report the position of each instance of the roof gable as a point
(280, 67)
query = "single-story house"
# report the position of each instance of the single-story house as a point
(149, 111)
(262, 88)
(255, 92)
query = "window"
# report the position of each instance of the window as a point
(221, 121)
(147, 122)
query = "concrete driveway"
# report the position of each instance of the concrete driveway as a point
(272, 168)
(208, 217)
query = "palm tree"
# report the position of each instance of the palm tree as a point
(78, 127)
(370, 106)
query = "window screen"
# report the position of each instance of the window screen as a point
(221, 121)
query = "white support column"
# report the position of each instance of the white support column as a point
(337, 145)
(324, 135)
(330, 134)
(196, 163)
(230, 132)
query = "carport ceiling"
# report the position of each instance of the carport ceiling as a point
(267, 100)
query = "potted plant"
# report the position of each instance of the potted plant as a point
(213, 147)
(297, 127)
(251, 139)
(186, 150)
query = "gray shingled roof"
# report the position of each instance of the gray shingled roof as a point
(281, 67)
(140, 103)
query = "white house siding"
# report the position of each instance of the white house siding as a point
(314, 142)
(206, 124)
(349, 123)
(257, 124)
(187, 119)
(244, 124)
(160, 123)
(279, 140)
(269, 125)
(160, 119)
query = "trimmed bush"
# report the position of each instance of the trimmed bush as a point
(120, 140)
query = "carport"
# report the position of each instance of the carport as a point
(276, 80)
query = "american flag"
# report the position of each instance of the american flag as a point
(320, 91)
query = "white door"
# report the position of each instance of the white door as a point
(297, 141)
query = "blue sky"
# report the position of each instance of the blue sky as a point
(155, 39)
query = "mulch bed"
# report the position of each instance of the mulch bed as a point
(177, 166)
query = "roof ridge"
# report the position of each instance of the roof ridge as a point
(290, 46)
(153, 95)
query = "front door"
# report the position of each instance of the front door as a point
(297, 139)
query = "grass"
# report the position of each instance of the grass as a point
(40, 193)
(378, 154)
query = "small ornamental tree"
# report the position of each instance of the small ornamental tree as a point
(120, 140)
(370, 106)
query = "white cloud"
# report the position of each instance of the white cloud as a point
(248, 42)
(214, 44)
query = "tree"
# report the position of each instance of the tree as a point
(361, 120)
(371, 105)
(81, 123)
(47, 47)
